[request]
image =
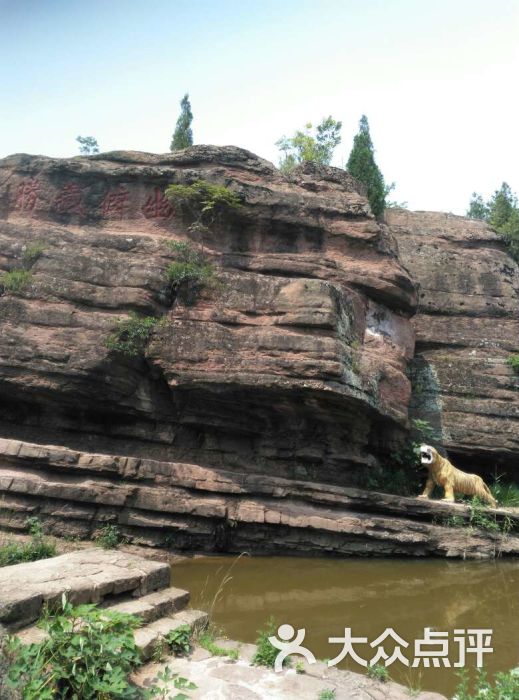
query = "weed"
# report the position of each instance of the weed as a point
(37, 548)
(31, 253)
(15, 281)
(327, 694)
(300, 667)
(505, 686)
(179, 640)
(507, 495)
(513, 362)
(378, 673)
(206, 641)
(88, 654)
(266, 653)
(190, 272)
(109, 537)
(131, 335)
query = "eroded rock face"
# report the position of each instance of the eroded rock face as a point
(466, 327)
(295, 365)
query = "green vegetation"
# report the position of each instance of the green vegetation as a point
(506, 494)
(300, 667)
(501, 211)
(183, 134)
(15, 281)
(87, 145)
(109, 537)
(505, 686)
(88, 654)
(513, 362)
(31, 253)
(206, 641)
(266, 653)
(361, 164)
(131, 335)
(317, 147)
(190, 271)
(378, 673)
(400, 475)
(203, 203)
(327, 694)
(37, 548)
(179, 640)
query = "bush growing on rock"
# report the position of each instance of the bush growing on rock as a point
(190, 271)
(15, 281)
(131, 335)
(37, 548)
(513, 362)
(204, 203)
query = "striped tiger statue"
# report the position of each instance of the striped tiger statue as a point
(443, 473)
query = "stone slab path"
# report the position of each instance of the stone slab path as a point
(86, 576)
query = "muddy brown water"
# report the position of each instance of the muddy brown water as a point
(326, 595)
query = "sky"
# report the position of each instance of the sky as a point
(437, 81)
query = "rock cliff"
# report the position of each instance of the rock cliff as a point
(467, 325)
(293, 370)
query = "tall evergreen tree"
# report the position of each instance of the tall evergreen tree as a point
(361, 164)
(183, 135)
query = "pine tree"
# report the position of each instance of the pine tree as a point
(88, 145)
(183, 136)
(478, 209)
(361, 164)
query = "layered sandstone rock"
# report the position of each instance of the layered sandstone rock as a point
(467, 325)
(294, 365)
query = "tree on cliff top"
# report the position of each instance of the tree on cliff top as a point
(87, 145)
(502, 213)
(315, 147)
(183, 135)
(361, 164)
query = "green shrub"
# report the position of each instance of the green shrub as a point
(31, 253)
(506, 495)
(202, 200)
(266, 653)
(131, 335)
(378, 673)
(87, 655)
(513, 362)
(15, 281)
(179, 640)
(109, 537)
(505, 686)
(190, 271)
(37, 548)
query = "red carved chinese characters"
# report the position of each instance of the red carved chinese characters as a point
(157, 206)
(27, 194)
(114, 203)
(68, 201)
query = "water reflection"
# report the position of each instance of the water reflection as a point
(326, 595)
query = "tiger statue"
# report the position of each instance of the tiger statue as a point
(443, 473)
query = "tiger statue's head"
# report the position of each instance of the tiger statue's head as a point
(428, 455)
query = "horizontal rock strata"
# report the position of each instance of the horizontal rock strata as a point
(185, 506)
(467, 326)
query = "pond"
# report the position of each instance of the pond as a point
(327, 595)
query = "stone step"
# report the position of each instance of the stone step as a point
(86, 576)
(149, 637)
(153, 606)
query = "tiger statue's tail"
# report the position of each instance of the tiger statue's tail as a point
(488, 498)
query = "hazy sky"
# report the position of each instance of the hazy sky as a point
(437, 79)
